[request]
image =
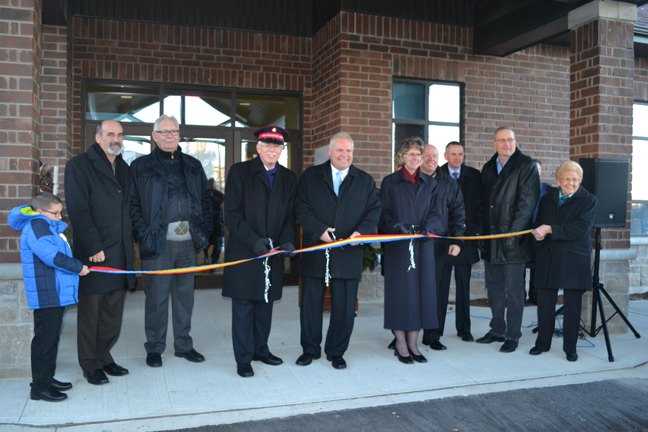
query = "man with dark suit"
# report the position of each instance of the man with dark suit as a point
(335, 200)
(259, 213)
(510, 189)
(97, 196)
(453, 224)
(468, 179)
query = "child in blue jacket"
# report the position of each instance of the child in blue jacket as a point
(51, 278)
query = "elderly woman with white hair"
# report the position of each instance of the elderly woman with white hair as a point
(563, 256)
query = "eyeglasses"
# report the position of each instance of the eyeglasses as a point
(272, 146)
(168, 132)
(570, 180)
(56, 214)
(505, 140)
(413, 155)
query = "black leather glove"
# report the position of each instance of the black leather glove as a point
(425, 232)
(288, 247)
(401, 228)
(509, 244)
(261, 247)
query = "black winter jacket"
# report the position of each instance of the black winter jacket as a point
(451, 204)
(509, 200)
(149, 203)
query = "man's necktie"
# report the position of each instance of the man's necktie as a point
(455, 175)
(337, 182)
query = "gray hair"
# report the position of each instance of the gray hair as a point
(44, 201)
(501, 128)
(165, 117)
(340, 135)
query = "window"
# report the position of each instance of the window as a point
(639, 212)
(429, 110)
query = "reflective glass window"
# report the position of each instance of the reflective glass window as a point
(409, 100)
(208, 109)
(264, 110)
(124, 104)
(210, 152)
(639, 208)
(135, 146)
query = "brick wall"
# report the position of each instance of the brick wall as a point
(20, 52)
(56, 113)
(135, 51)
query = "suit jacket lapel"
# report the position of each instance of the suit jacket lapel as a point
(101, 165)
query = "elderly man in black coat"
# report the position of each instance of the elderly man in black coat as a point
(97, 194)
(453, 224)
(469, 182)
(260, 216)
(335, 200)
(510, 189)
(171, 208)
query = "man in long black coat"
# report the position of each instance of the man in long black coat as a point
(335, 200)
(453, 224)
(259, 213)
(469, 182)
(510, 189)
(97, 196)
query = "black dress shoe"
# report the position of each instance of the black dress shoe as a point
(466, 337)
(509, 346)
(61, 386)
(572, 357)
(417, 358)
(337, 361)
(436, 345)
(49, 395)
(113, 369)
(154, 359)
(306, 359)
(536, 351)
(406, 360)
(96, 377)
(490, 338)
(192, 355)
(392, 344)
(270, 359)
(245, 370)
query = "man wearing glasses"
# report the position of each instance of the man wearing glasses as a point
(171, 208)
(259, 213)
(510, 190)
(97, 196)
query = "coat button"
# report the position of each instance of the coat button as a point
(118, 190)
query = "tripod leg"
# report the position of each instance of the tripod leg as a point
(595, 297)
(623, 317)
(604, 325)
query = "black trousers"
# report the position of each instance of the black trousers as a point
(344, 293)
(44, 346)
(251, 322)
(462, 308)
(547, 317)
(98, 326)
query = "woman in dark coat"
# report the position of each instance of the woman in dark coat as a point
(409, 205)
(563, 256)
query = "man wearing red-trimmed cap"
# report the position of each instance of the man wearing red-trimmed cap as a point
(259, 213)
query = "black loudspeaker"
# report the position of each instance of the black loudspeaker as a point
(608, 180)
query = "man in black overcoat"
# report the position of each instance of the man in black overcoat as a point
(510, 189)
(453, 224)
(335, 200)
(97, 196)
(469, 182)
(260, 216)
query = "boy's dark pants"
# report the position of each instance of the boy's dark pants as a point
(44, 346)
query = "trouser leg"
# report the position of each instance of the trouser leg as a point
(462, 282)
(515, 296)
(242, 330)
(571, 320)
(310, 314)
(156, 304)
(110, 319)
(262, 322)
(344, 293)
(44, 346)
(546, 317)
(496, 297)
(89, 331)
(182, 296)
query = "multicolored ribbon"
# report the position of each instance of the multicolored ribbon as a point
(362, 239)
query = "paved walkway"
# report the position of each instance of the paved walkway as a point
(182, 394)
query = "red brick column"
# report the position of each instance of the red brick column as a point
(20, 51)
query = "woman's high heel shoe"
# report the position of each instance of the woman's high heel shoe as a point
(417, 358)
(406, 360)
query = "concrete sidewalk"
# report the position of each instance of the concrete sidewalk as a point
(183, 394)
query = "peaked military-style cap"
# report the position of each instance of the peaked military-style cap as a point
(272, 134)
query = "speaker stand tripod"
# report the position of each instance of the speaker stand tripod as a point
(597, 289)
